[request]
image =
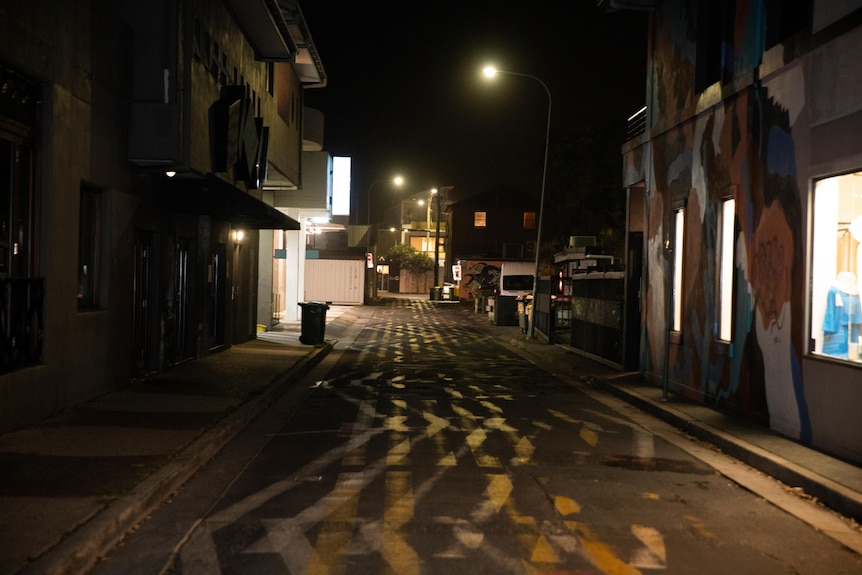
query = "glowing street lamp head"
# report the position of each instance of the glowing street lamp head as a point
(489, 71)
(398, 180)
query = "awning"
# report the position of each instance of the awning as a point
(211, 196)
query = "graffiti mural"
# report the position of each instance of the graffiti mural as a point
(741, 148)
(479, 275)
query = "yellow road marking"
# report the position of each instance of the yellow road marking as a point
(525, 450)
(589, 436)
(475, 441)
(600, 554)
(364, 420)
(334, 539)
(700, 527)
(436, 424)
(396, 423)
(562, 416)
(400, 557)
(566, 506)
(499, 488)
(398, 453)
(543, 552)
(654, 556)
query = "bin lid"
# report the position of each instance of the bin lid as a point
(313, 304)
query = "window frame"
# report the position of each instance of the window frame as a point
(92, 247)
(835, 250)
(725, 258)
(480, 221)
(677, 252)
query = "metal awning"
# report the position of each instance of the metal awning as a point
(212, 196)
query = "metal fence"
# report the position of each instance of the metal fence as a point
(543, 319)
(597, 305)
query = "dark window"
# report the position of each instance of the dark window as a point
(270, 78)
(20, 109)
(713, 39)
(784, 18)
(515, 283)
(90, 248)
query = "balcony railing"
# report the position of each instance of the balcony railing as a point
(636, 124)
(21, 326)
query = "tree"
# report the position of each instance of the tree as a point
(407, 258)
(585, 193)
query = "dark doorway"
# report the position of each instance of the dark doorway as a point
(216, 292)
(634, 273)
(143, 359)
(179, 339)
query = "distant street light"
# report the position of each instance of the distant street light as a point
(369, 275)
(490, 72)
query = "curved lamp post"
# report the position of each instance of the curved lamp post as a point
(490, 72)
(369, 281)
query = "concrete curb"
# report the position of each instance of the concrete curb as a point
(77, 553)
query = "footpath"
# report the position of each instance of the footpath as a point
(73, 485)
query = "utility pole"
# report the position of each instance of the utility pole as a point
(439, 202)
(437, 241)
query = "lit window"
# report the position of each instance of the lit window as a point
(422, 244)
(678, 231)
(836, 314)
(529, 220)
(725, 269)
(479, 219)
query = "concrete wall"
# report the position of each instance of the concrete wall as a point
(80, 52)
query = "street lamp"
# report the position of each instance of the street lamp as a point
(369, 275)
(490, 72)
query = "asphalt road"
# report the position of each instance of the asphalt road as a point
(426, 447)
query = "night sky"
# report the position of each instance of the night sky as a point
(406, 95)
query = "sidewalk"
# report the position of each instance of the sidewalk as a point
(72, 485)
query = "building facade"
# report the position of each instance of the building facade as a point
(499, 224)
(137, 139)
(745, 190)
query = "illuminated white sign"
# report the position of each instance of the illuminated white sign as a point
(340, 186)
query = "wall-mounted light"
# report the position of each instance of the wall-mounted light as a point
(170, 173)
(238, 235)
